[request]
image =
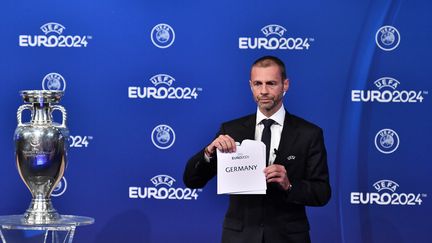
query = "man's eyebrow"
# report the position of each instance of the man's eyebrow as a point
(267, 81)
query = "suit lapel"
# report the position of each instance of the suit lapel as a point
(249, 127)
(288, 137)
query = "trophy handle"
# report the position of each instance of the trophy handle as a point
(63, 111)
(20, 110)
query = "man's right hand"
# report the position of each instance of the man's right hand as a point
(224, 143)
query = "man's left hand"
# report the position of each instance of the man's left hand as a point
(278, 174)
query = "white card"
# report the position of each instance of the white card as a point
(242, 172)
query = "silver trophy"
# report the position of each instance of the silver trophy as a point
(40, 150)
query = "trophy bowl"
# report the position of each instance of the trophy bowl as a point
(40, 151)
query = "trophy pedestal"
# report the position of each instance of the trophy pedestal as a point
(14, 228)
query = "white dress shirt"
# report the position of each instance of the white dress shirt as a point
(276, 130)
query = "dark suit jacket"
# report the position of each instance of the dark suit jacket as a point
(278, 214)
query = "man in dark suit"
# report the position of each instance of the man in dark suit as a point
(297, 173)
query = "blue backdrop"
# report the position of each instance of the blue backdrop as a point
(147, 84)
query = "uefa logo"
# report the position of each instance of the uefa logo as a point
(386, 91)
(387, 141)
(387, 38)
(53, 36)
(163, 89)
(162, 180)
(35, 141)
(274, 39)
(54, 82)
(163, 136)
(52, 28)
(386, 195)
(60, 188)
(163, 188)
(162, 35)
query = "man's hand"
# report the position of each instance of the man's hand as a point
(277, 173)
(224, 143)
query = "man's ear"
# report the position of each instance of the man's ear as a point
(286, 83)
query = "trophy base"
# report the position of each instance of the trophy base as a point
(41, 211)
(15, 228)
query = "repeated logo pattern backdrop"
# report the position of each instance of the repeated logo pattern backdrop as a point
(147, 84)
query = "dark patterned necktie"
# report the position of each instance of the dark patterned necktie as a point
(266, 136)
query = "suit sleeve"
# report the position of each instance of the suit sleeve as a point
(198, 171)
(314, 188)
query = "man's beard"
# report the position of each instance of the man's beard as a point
(270, 102)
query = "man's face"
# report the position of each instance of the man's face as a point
(268, 88)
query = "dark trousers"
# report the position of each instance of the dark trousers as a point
(302, 237)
